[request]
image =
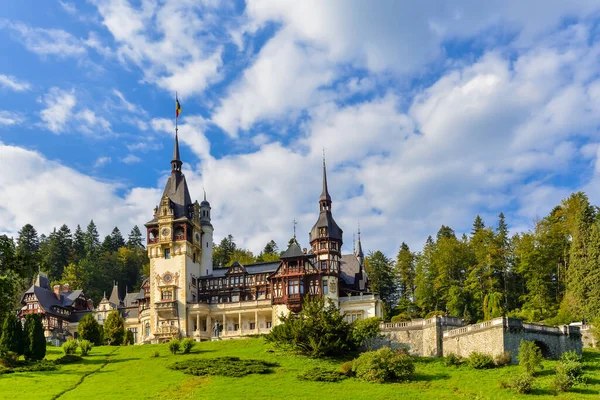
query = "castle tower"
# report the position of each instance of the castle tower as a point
(206, 237)
(326, 242)
(175, 248)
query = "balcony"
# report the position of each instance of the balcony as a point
(179, 237)
(165, 305)
(153, 240)
(166, 330)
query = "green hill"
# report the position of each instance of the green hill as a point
(133, 372)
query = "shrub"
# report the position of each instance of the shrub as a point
(187, 344)
(155, 354)
(402, 317)
(114, 329)
(34, 341)
(319, 374)
(86, 347)
(452, 360)
(570, 356)
(435, 313)
(346, 368)
(521, 383)
(128, 337)
(503, 359)
(480, 360)
(365, 331)
(70, 347)
(90, 329)
(174, 346)
(383, 365)
(530, 356)
(11, 339)
(318, 330)
(8, 359)
(222, 366)
(68, 359)
(562, 382)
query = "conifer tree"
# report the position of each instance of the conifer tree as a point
(135, 238)
(114, 328)
(12, 334)
(382, 280)
(34, 343)
(28, 246)
(405, 269)
(78, 244)
(92, 239)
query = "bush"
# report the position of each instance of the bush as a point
(11, 338)
(318, 330)
(402, 317)
(346, 368)
(520, 383)
(435, 313)
(452, 360)
(128, 337)
(8, 359)
(562, 382)
(85, 346)
(365, 331)
(319, 374)
(68, 359)
(222, 366)
(480, 360)
(503, 359)
(530, 356)
(570, 356)
(70, 347)
(174, 346)
(187, 344)
(155, 354)
(90, 329)
(383, 365)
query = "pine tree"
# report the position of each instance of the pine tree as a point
(56, 252)
(28, 246)
(382, 280)
(7, 254)
(405, 270)
(477, 225)
(425, 296)
(12, 334)
(117, 239)
(135, 238)
(34, 343)
(92, 239)
(89, 329)
(223, 252)
(78, 244)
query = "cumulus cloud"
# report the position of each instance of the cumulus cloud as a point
(12, 83)
(131, 159)
(45, 42)
(102, 161)
(8, 118)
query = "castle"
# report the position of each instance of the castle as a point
(185, 296)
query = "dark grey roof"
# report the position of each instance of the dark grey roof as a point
(140, 295)
(326, 221)
(176, 156)
(325, 193)
(70, 297)
(250, 269)
(130, 300)
(177, 191)
(42, 281)
(294, 251)
(76, 316)
(349, 267)
(114, 296)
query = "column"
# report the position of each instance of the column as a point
(208, 324)
(224, 324)
(198, 322)
(240, 322)
(255, 321)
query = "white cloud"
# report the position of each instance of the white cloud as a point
(61, 189)
(191, 129)
(131, 159)
(8, 118)
(59, 106)
(175, 44)
(12, 83)
(91, 123)
(46, 42)
(102, 161)
(144, 146)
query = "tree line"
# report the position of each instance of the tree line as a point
(550, 273)
(79, 259)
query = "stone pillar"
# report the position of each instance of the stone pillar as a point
(208, 324)
(255, 321)
(224, 325)
(240, 322)
(198, 322)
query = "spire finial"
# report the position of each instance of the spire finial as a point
(325, 199)
(176, 161)
(354, 243)
(204, 194)
(295, 223)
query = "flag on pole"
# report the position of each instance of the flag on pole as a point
(177, 107)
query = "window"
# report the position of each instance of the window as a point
(323, 264)
(166, 295)
(260, 295)
(167, 253)
(147, 329)
(323, 245)
(301, 287)
(333, 246)
(252, 325)
(325, 291)
(278, 287)
(293, 287)
(322, 232)
(236, 327)
(134, 331)
(235, 297)
(268, 324)
(353, 316)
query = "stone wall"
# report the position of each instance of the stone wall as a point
(441, 336)
(587, 338)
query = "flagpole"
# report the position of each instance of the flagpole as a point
(176, 115)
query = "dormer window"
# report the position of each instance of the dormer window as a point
(322, 232)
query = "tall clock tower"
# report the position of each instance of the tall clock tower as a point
(180, 251)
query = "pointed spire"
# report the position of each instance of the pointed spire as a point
(204, 194)
(359, 251)
(176, 161)
(325, 197)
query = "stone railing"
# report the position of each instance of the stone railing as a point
(166, 330)
(541, 328)
(442, 321)
(399, 325)
(241, 305)
(357, 297)
(474, 327)
(164, 305)
(144, 313)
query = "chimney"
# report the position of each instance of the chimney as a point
(66, 288)
(304, 250)
(57, 291)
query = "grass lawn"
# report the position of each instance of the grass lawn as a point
(133, 372)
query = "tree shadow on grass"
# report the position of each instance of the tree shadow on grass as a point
(420, 377)
(103, 360)
(544, 372)
(584, 391)
(542, 392)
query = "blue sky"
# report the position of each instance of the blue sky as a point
(429, 113)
